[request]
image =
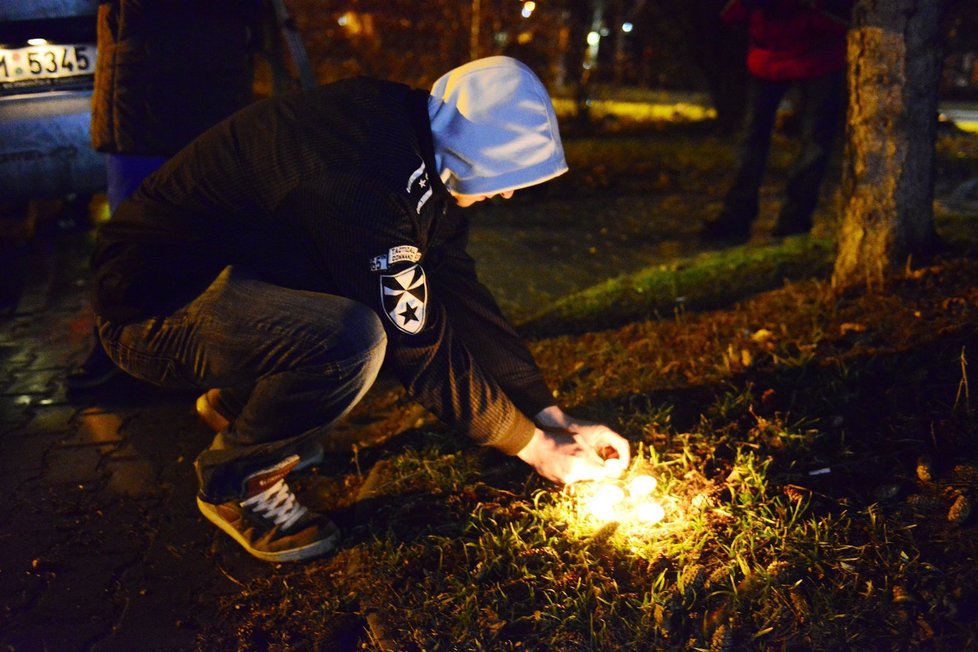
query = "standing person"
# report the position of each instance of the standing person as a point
(165, 72)
(799, 43)
(289, 250)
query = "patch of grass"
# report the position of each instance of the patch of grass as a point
(813, 452)
(705, 281)
(786, 435)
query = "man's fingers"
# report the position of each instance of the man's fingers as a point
(624, 451)
(614, 466)
(611, 445)
(594, 466)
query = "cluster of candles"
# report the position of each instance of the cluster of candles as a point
(631, 501)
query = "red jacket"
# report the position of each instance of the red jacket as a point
(793, 39)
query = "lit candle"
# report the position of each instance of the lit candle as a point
(649, 512)
(641, 486)
(602, 504)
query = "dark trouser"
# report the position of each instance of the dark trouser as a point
(820, 106)
(307, 358)
(124, 173)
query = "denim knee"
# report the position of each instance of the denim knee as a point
(367, 332)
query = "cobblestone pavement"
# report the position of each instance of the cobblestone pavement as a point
(99, 543)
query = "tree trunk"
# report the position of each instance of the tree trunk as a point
(888, 185)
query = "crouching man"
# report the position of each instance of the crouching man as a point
(286, 252)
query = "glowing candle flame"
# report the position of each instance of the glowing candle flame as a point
(602, 504)
(649, 512)
(641, 486)
(623, 502)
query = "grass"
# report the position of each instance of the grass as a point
(700, 282)
(815, 453)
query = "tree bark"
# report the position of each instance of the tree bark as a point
(888, 182)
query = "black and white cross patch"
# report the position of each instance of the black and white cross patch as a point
(405, 296)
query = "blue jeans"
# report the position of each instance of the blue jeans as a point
(124, 173)
(299, 361)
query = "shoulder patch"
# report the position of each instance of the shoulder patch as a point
(419, 187)
(404, 296)
(398, 254)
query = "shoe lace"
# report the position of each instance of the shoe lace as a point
(277, 503)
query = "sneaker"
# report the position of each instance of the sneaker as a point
(96, 370)
(270, 523)
(783, 227)
(310, 452)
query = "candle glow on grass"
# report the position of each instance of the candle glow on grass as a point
(631, 501)
(645, 510)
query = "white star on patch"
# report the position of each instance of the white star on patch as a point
(404, 297)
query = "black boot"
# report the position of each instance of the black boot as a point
(792, 221)
(729, 226)
(96, 370)
(784, 228)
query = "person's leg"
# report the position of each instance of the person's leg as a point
(741, 202)
(822, 102)
(215, 411)
(310, 356)
(123, 175)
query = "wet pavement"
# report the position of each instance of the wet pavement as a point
(99, 545)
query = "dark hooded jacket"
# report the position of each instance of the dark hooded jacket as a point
(167, 70)
(332, 190)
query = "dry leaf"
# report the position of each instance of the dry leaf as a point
(960, 510)
(762, 336)
(851, 327)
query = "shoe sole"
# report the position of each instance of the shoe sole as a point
(296, 554)
(92, 381)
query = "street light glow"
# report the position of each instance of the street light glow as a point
(593, 38)
(528, 8)
(627, 27)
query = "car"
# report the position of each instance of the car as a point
(47, 70)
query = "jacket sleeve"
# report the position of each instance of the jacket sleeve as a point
(734, 12)
(474, 314)
(839, 11)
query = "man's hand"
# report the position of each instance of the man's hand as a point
(566, 450)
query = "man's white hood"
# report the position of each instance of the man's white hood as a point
(494, 128)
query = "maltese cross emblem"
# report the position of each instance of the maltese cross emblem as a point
(404, 296)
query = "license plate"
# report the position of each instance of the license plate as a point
(46, 66)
